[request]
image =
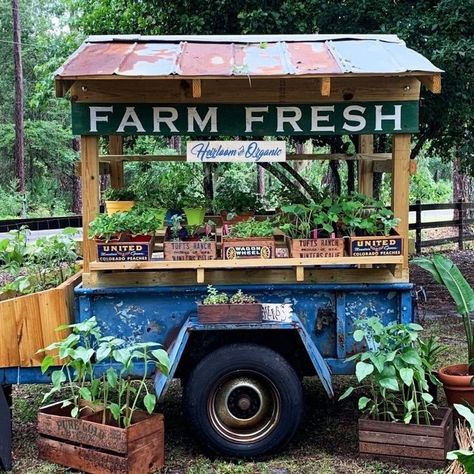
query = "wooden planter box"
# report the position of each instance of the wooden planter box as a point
(375, 245)
(417, 444)
(87, 445)
(253, 247)
(138, 249)
(316, 248)
(190, 250)
(229, 313)
(28, 323)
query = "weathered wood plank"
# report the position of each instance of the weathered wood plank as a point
(416, 452)
(402, 439)
(116, 166)
(432, 83)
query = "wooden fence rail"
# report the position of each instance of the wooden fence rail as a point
(461, 223)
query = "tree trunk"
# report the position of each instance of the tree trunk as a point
(350, 176)
(208, 182)
(260, 182)
(19, 125)
(76, 181)
(462, 186)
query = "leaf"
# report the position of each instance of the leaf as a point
(75, 412)
(115, 410)
(415, 327)
(465, 457)
(358, 335)
(164, 361)
(427, 397)
(390, 383)
(378, 361)
(410, 356)
(346, 393)
(363, 369)
(111, 375)
(84, 354)
(103, 352)
(149, 402)
(57, 377)
(46, 363)
(466, 413)
(85, 393)
(406, 374)
(407, 418)
(363, 401)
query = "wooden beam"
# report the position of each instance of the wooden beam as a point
(200, 275)
(366, 146)
(400, 191)
(268, 91)
(432, 83)
(197, 92)
(325, 86)
(299, 273)
(90, 193)
(116, 166)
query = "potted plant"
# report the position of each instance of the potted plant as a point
(190, 242)
(369, 226)
(125, 236)
(249, 239)
(457, 379)
(98, 426)
(400, 420)
(218, 307)
(194, 205)
(310, 230)
(118, 199)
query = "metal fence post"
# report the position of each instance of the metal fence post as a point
(5, 427)
(418, 227)
(461, 225)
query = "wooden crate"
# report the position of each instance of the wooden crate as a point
(253, 247)
(417, 444)
(316, 248)
(190, 250)
(229, 313)
(135, 250)
(375, 245)
(28, 323)
(87, 445)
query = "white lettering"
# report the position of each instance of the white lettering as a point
(291, 120)
(158, 119)
(396, 117)
(130, 119)
(193, 116)
(316, 118)
(250, 118)
(94, 118)
(359, 119)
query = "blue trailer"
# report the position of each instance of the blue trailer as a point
(242, 381)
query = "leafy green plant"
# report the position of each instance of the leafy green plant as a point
(214, 297)
(446, 273)
(393, 370)
(113, 391)
(465, 454)
(119, 194)
(14, 249)
(252, 228)
(241, 298)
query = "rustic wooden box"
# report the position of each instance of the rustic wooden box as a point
(375, 245)
(229, 313)
(417, 444)
(87, 445)
(134, 250)
(253, 247)
(190, 250)
(316, 248)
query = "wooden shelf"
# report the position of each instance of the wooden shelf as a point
(201, 265)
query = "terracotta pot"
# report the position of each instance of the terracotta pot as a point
(457, 384)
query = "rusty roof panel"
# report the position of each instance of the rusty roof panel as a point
(136, 56)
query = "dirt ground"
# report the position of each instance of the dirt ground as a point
(327, 440)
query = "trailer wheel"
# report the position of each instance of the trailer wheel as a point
(244, 400)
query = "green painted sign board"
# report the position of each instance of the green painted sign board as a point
(245, 120)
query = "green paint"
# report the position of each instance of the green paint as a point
(230, 119)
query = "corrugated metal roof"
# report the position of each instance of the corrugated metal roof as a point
(254, 56)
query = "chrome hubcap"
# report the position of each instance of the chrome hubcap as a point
(244, 407)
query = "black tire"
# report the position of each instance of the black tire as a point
(244, 401)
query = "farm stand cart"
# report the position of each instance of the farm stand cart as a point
(242, 389)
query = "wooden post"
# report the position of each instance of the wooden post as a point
(400, 192)
(366, 167)
(116, 167)
(90, 193)
(418, 227)
(461, 224)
